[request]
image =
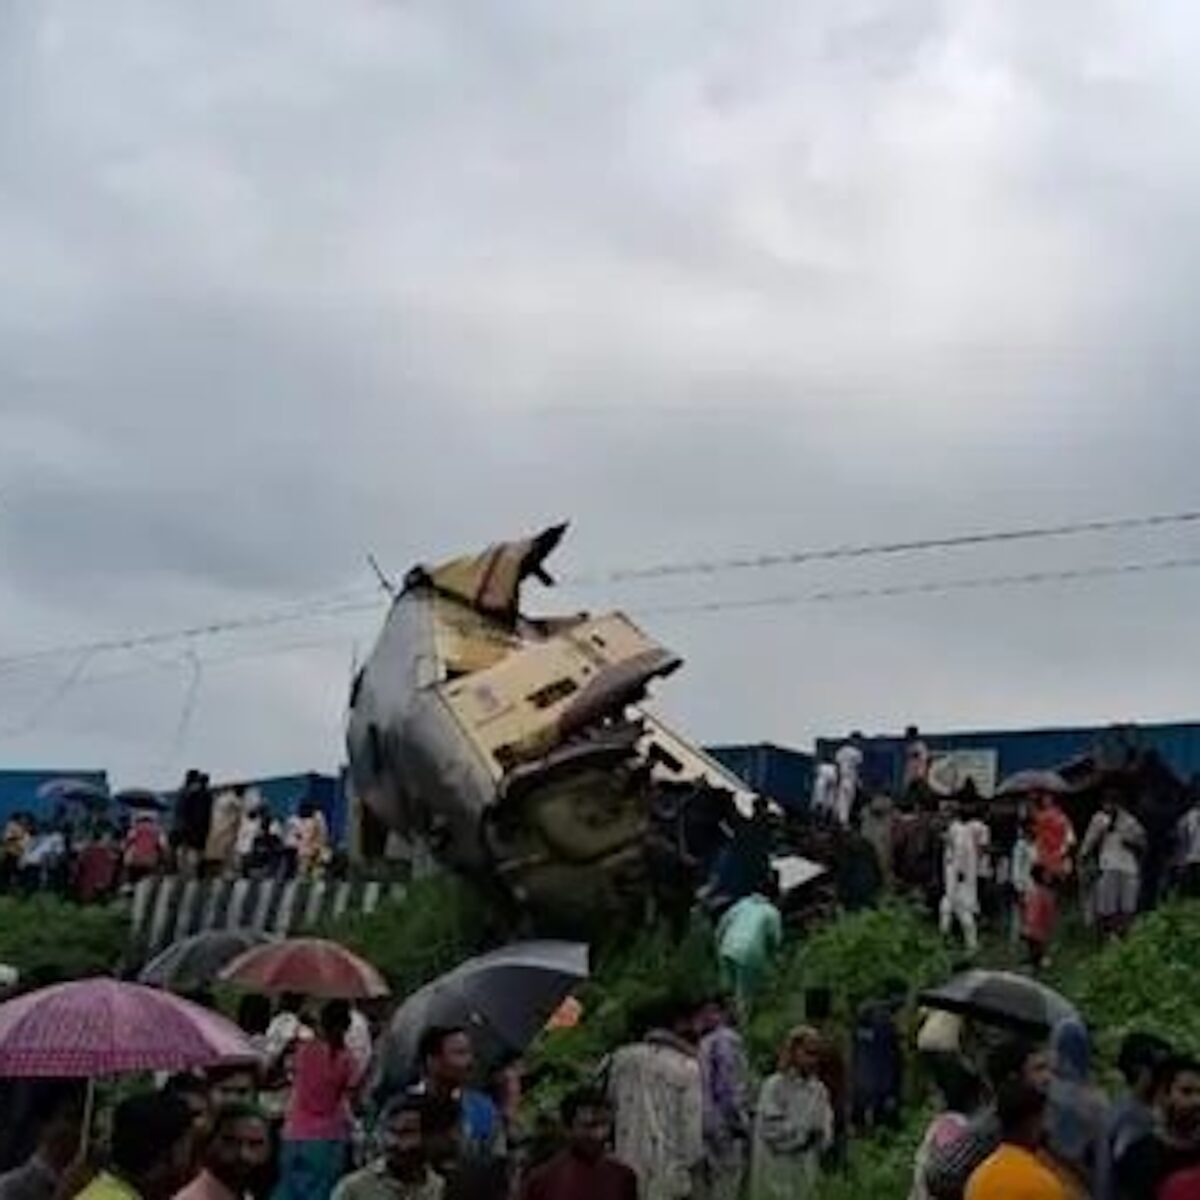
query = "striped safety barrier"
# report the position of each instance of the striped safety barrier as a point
(166, 908)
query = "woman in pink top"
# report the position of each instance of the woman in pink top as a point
(316, 1130)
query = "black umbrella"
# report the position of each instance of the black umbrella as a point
(74, 791)
(1025, 783)
(504, 998)
(141, 799)
(194, 962)
(1002, 998)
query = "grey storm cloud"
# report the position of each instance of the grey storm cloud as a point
(286, 283)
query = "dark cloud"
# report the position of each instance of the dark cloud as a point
(286, 285)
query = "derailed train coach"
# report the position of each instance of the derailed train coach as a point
(519, 747)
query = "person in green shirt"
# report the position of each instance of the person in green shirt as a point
(748, 937)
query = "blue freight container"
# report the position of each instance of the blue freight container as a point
(19, 790)
(779, 772)
(1027, 749)
(285, 793)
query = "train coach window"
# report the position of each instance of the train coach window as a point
(552, 693)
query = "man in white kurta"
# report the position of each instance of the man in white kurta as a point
(967, 841)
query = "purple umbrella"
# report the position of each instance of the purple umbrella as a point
(97, 1027)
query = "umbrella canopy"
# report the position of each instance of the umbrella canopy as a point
(142, 799)
(194, 962)
(1029, 782)
(95, 1027)
(505, 998)
(310, 966)
(74, 791)
(1002, 998)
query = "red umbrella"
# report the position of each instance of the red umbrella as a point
(96, 1027)
(309, 966)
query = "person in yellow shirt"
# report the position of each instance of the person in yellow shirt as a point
(1014, 1171)
(151, 1150)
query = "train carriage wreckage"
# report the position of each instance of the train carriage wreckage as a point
(518, 747)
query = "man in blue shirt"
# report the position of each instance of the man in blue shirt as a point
(447, 1066)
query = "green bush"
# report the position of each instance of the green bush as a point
(626, 975)
(857, 957)
(49, 940)
(439, 922)
(1148, 982)
(879, 1168)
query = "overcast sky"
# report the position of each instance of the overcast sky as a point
(284, 282)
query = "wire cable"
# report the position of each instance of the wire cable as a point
(34, 718)
(364, 600)
(931, 587)
(883, 549)
(263, 620)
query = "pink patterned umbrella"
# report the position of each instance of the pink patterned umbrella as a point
(97, 1027)
(309, 966)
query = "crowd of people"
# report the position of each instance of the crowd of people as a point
(88, 855)
(676, 1114)
(1016, 860)
(673, 1114)
(1034, 1123)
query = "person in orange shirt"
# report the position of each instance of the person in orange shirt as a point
(1014, 1171)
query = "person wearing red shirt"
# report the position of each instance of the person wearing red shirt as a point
(1054, 837)
(584, 1170)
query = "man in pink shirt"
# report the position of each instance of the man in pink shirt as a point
(238, 1149)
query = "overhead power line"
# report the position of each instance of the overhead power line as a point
(931, 587)
(318, 608)
(793, 558)
(366, 599)
(197, 663)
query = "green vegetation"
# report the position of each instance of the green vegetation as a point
(440, 922)
(49, 940)
(1148, 982)
(626, 976)
(857, 958)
